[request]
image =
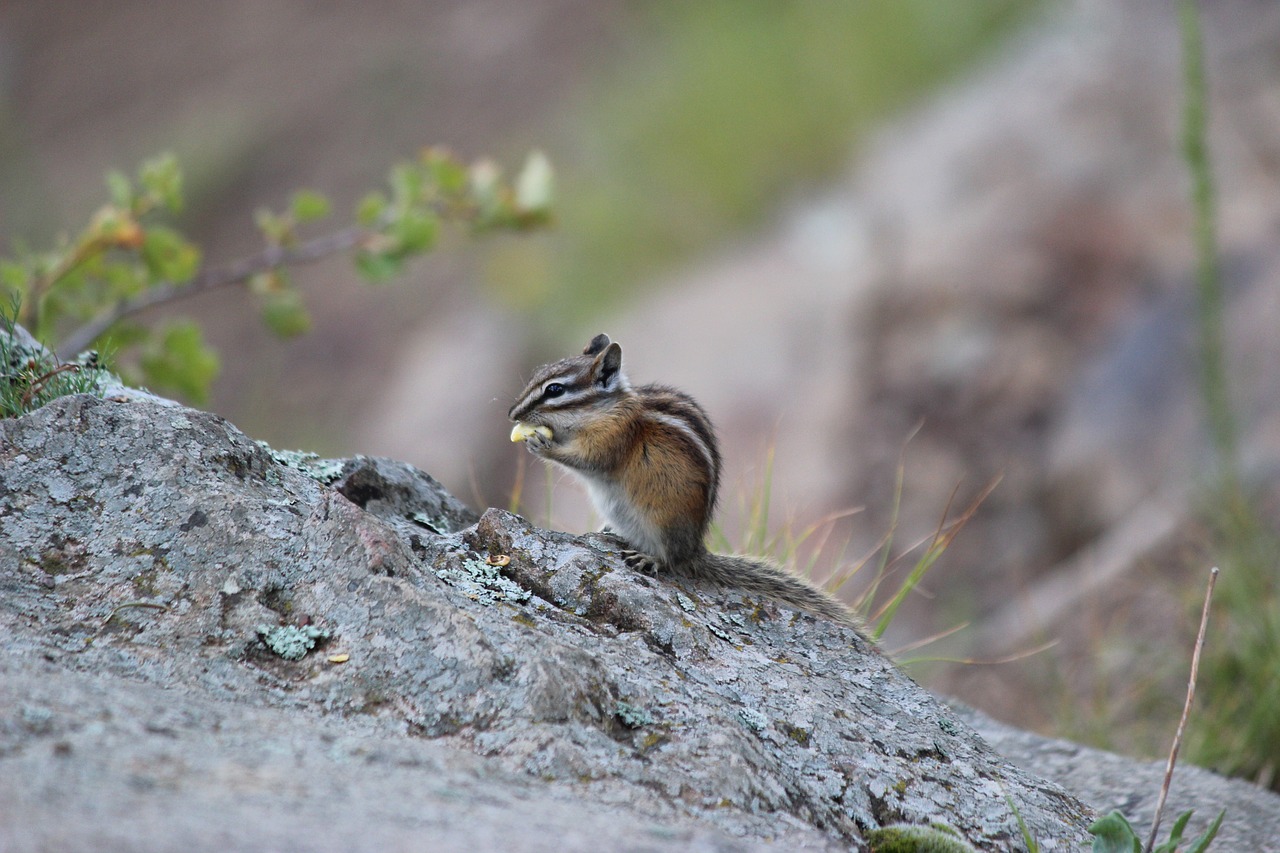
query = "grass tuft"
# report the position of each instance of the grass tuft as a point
(31, 375)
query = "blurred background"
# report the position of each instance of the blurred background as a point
(954, 237)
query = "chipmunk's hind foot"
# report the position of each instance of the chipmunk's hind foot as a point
(642, 563)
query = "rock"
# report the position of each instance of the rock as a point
(1109, 781)
(499, 681)
(103, 763)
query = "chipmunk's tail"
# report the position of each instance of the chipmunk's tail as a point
(758, 576)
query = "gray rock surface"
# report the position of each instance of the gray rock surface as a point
(101, 763)
(548, 703)
(1111, 781)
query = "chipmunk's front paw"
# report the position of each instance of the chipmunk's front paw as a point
(642, 563)
(537, 437)
(539, 442)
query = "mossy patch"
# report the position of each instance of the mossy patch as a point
(797, 733)
(905, 838)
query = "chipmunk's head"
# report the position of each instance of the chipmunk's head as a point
(561, 393)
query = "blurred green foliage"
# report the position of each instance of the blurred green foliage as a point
(130, 257)
(719, 109)
(1239, 730)
(1236, 729)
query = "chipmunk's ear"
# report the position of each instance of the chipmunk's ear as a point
(608, 368)
(597, 345)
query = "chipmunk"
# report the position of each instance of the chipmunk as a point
(650, 461)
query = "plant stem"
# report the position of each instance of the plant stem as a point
(65, 265)
(236, 273)
(1209, 296)
(1186, 711)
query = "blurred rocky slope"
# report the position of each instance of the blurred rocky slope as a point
(1008, 267)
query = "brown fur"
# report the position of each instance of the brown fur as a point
(653, 453)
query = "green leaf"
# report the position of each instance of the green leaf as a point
(169, 256)
(414, 232)
(284, 313)
(406, 184)
(1113, 834)
(377, 267)
(122, 336)
(178, 359)
(1202, 843)
(449, 176)
(162, 179)
(308, 206)
(14, 278)
(370, 209)
(276, 228)
(1175, 835)
(535, 184)
(122, 280)
(1027, 838)
(121, 189)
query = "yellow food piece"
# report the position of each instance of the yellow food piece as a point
(522, 431)
(343, 658)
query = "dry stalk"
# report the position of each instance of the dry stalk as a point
(1186, 711)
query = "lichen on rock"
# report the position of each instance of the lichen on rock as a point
(292, 642)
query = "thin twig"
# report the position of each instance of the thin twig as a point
(147, 604)
(38, 384)
(236, 273)
(65, 266)
(1186, 711)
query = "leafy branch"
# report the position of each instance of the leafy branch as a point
(130, 258)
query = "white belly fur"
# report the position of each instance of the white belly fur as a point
(611, 502)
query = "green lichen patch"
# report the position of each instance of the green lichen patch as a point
(753, 719)
(291, 642)
(720, 632)
(326, 471)
(435, 523)
(632, 716)
(482, 582)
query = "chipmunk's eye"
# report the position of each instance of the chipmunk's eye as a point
(555, 389)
